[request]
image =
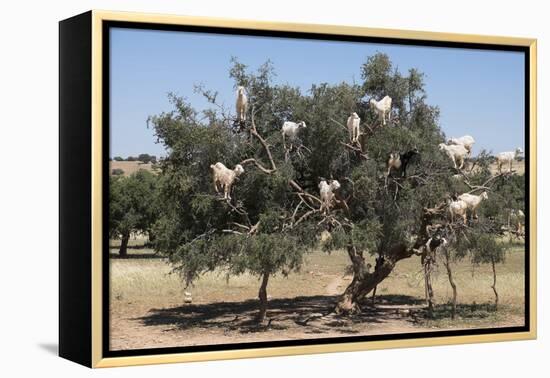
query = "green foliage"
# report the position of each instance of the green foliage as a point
(118, 158)
(117, 172)
(200, 232)
(132, 203)
(146, 158)
(482, 242)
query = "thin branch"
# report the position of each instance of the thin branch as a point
(227, 231)
(254, 132)
(296, 209)
(239, 211)
(247, 228)
(306, 215)
(258, 165)
(356, 149)
(485, 185)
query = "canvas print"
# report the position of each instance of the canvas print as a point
(279, 189)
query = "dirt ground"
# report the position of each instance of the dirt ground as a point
(147, 309)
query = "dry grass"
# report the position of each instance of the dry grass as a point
(473, 282)
(129, 167)
(150, 281)
(148, 311)
(518, 166)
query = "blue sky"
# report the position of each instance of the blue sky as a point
(479, 92)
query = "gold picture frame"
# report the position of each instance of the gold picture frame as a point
(92, 25)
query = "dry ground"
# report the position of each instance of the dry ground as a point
(129, 167)
(517, 166)
(147, 309)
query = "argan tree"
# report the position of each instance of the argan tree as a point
(275, 214)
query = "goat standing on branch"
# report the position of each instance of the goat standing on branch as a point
(326, 192)
(225, 177)
(241, 105)
(472, 201)
(467, 141)
(382, 108)
(353, 127)
(458, 208)
(508, 158)
(456, 152)
(399, 161)
(290, 130)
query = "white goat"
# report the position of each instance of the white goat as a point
(516, 219)
(456, 152)
(290, 130)
(242, 104)
(458, 208)
(326, 192)
(467, 141)
(473, 201)
(508, 158)
(382, 108)
(225, 177)
(353, 127)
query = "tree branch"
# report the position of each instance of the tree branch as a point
(254, 132)
(485, 185)
(356, 149)
(258, 165)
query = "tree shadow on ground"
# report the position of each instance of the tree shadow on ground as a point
(314, 313)
(464, 310)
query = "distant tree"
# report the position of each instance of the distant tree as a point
(117, 172)
(146, 158)
(118, 158)
(131, 158)
(132, 206)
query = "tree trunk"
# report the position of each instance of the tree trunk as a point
(428, 285)
(123, 251)
(262, 295)
(494, 282)
(451, 281)
(363, 281)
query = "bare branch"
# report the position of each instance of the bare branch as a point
(305, 216)
(302, 193)
(258, 165)
(254, 132)
(241, 226)
(356, 149)
(485, 185)
(227, 231)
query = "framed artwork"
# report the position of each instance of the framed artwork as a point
(234, 189)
